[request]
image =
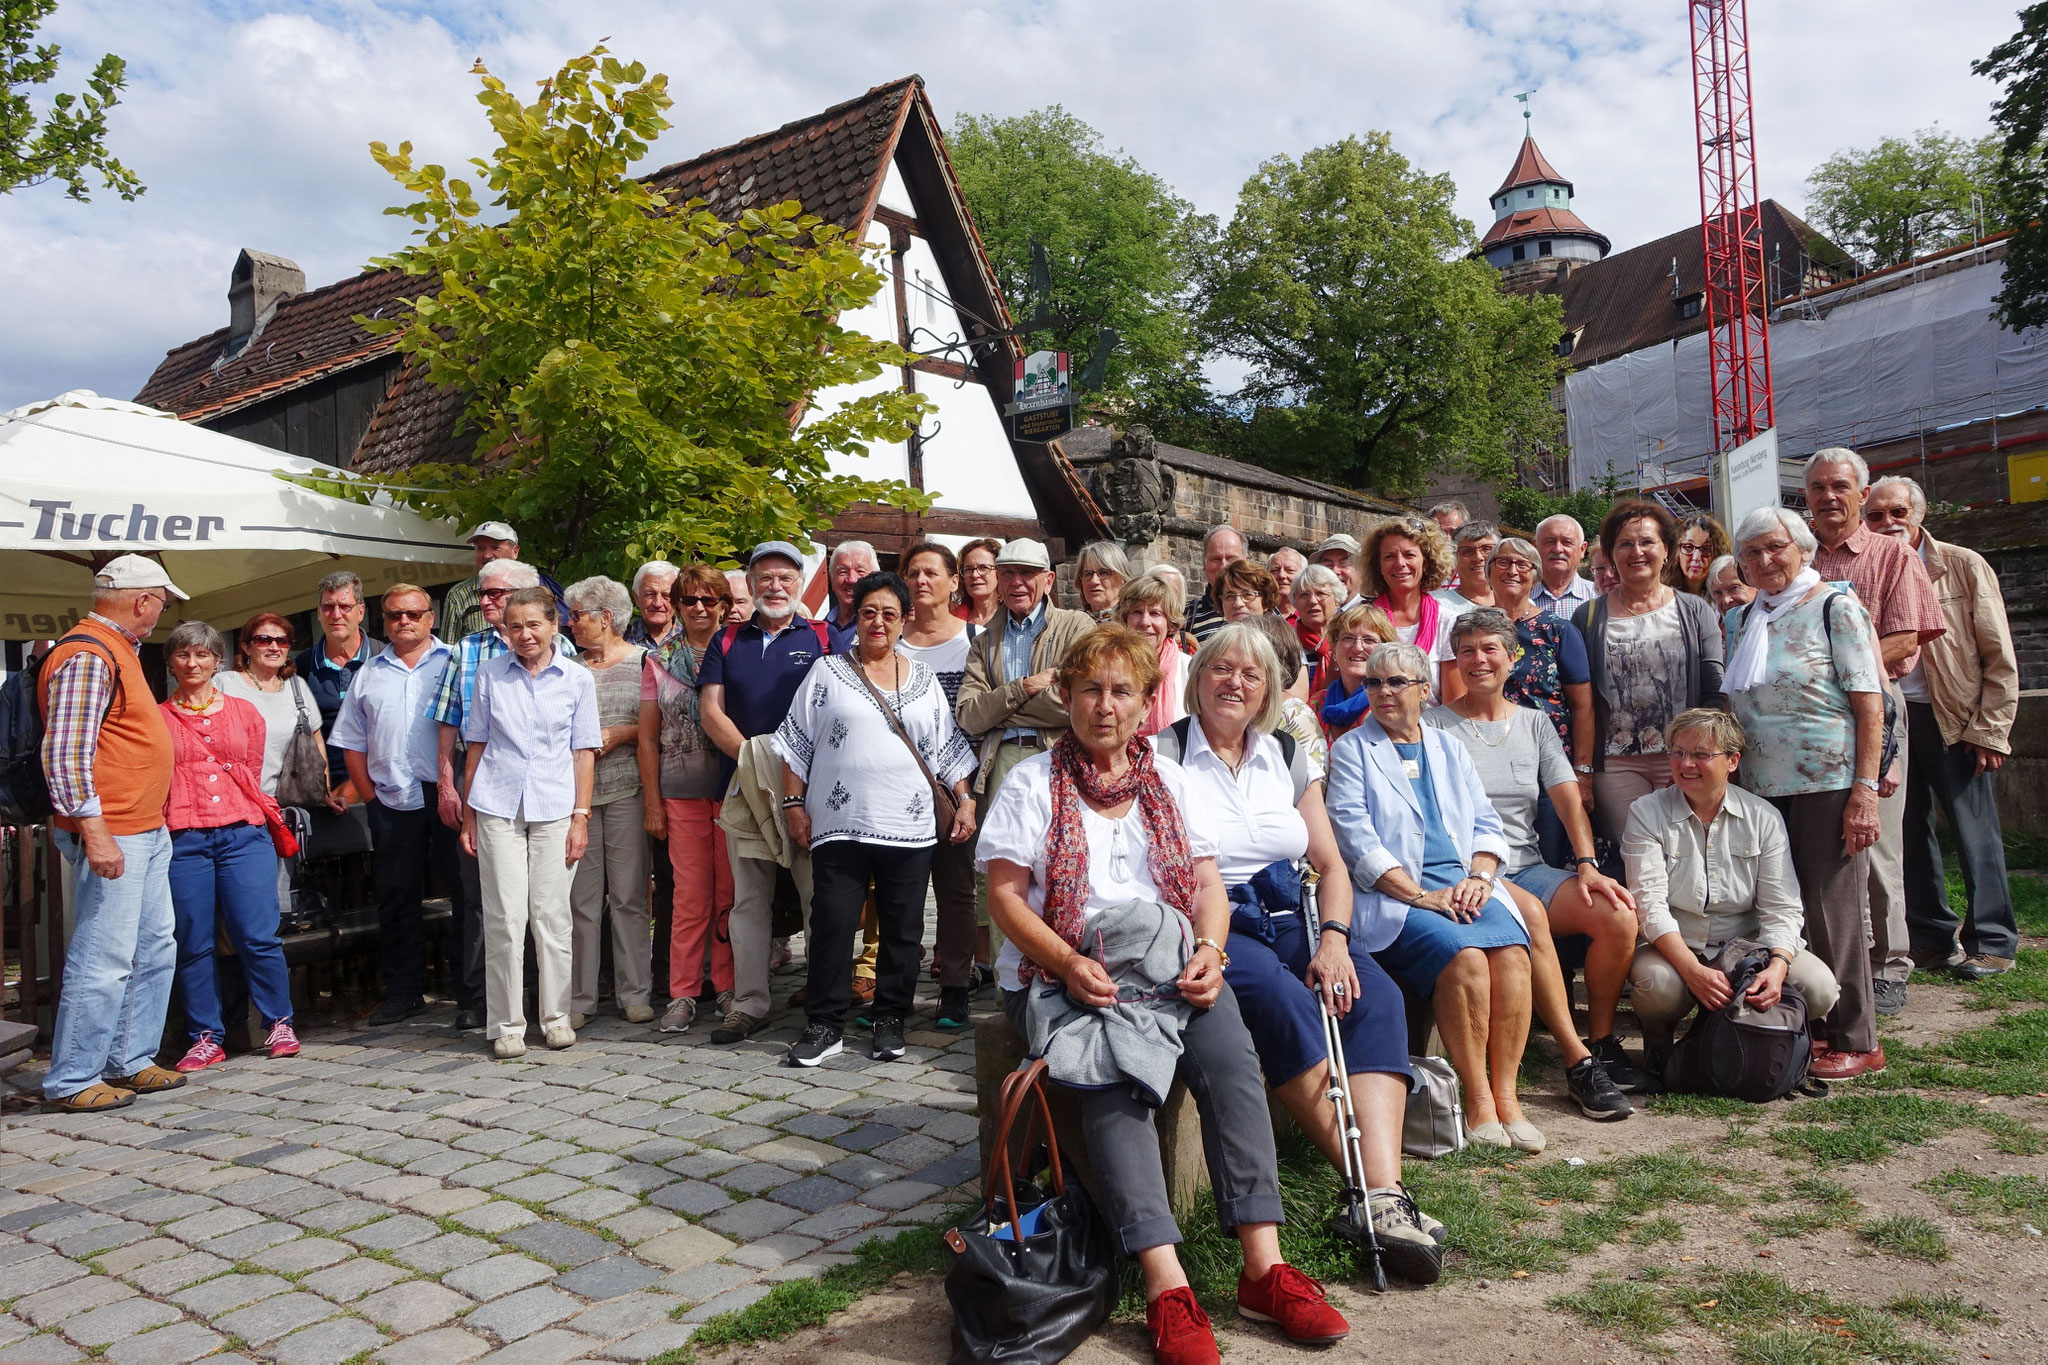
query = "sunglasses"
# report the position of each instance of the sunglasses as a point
(407, 613)
(696, 600)
(489, 593)
(271, 641)
(1393, 684)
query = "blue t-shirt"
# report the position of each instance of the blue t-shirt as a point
(1441, 865)
(761, 676)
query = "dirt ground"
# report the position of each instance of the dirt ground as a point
(2000, 1269)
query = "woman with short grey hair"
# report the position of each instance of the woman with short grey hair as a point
(1100, 572)
(1805, 682)
(614, 872)
(1318, 593)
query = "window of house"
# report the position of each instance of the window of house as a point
(1528, 194)
(1521, 251)
(1543, 248)
(1689, 306)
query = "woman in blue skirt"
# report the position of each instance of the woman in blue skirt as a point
(1427, 848)
(1264, 793)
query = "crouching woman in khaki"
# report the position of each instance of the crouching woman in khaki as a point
(1709, 862)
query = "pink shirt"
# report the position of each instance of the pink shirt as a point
(204, 793)
(1892, 584)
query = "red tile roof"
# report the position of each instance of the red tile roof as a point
(1538, 223)
(1530, 168)
(833, 163)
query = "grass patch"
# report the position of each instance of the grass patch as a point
(1945, 1313)
(1663, 1228)
(1650, 1180)
(1869, 1127)
(2025, 984)
(795, 1305)
(1907, 1235)
(1636, 1313)
(1999, 1201)
(1770, 1322)
(1694, 1106)
(1822, 1204)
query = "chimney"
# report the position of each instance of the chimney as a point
(259, 283)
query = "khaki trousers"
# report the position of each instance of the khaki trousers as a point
(525, 887)
(613, 875)
(1891, 949)
(1661, 998)
(751, 926)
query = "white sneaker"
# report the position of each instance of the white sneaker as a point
(508, 1047)
(559, 1036)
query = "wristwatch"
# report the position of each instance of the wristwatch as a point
(1869, 782)
(1583, 769)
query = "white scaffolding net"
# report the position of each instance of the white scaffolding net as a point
(1924, 355)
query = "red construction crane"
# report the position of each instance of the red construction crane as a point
(1731, 227)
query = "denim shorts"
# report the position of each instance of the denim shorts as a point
(1542, 881)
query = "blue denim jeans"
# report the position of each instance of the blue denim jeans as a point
(227, 876)
(117, 972)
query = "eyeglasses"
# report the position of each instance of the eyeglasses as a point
(338, 608)
(407, 613)
(271, 641)
(1247, 677)
(1394, 684)
(1637, 546)
(885, 614)
(1253, 598)
(1700, 756)
(972, 570)
(1097, 573)
(1514, 565)
(493, 594)
(696, 600)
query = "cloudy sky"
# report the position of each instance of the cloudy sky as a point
(249, 121)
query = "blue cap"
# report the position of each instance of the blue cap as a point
(776, 547)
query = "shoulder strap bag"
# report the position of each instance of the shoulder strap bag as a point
(302, 778)
(944, 808)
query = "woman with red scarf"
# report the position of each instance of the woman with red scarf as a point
(1093, 826)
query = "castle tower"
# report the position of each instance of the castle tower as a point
(1535, 235)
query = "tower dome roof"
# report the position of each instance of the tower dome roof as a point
(1531, 168)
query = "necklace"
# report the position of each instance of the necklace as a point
(1479, 728)
(195, 708)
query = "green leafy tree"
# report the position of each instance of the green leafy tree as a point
(2020, 66)
(637, 373)
(1888, 203)
(69, 141)
(1120, 243)
(1380, 348)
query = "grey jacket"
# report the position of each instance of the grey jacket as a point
(1144, 946)
(1701, 685)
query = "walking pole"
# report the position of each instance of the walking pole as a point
(1354, 1221)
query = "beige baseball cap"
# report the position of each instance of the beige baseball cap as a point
(137, 571)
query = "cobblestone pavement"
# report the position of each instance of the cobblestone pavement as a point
(396, 1193)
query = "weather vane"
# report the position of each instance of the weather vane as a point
(1524, 98)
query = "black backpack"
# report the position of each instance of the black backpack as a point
(24, 789)
(1740, 1052)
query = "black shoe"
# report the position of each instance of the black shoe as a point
(1595, 1092)
(396, 1011)
(888, 1038)
(1890, 996)
(819, 1041)
(1627, 1078)
(955, 1013)
(465, 1020)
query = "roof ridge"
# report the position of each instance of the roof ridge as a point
(289, 300)
(731, 148)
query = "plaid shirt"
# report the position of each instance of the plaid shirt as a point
(637, 633)
(81, 694)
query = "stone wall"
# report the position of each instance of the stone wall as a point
(1268, 509)
(2023, 781)
(2013, 537)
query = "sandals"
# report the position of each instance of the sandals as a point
(90, 1100)
(149, 1080)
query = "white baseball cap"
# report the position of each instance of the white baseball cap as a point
(493, 530)
(1024, 552)
(1348, 544)
(137, 571)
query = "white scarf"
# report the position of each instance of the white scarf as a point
(1746, 666)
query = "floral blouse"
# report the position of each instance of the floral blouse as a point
(1801, 731)
(1553, 658)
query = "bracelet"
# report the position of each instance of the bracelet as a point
(1221, 956)
(1332, 927)
(1580, 861)
(580, 810)
(792, 802)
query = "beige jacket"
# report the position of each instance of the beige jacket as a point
(988, 705)
(751, 814)
(1970, 670)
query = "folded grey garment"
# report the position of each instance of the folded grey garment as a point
(1144, 946)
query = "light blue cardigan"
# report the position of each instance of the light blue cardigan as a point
(1379, 820)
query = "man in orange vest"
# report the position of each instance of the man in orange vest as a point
(107, 759)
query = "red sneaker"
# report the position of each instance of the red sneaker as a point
(1294, 1303)
(203, 1053)
(281, 1041)
(1181, 1334)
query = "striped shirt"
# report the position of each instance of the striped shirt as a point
(81, 694)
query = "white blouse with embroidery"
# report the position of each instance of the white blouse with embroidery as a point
(861, 782)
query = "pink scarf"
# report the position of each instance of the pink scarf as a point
(1166, 702)
(1425, 620)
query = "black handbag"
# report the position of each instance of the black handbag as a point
(1032, 1283)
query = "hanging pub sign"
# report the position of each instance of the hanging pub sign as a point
(1044, 398)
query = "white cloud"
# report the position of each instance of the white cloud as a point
(250, 127)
